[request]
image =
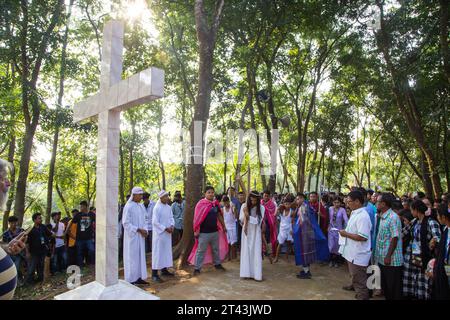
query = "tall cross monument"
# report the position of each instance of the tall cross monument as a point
(115, 95)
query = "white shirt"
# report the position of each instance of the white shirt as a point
(229, 218)
(59, 233)
(358, 252)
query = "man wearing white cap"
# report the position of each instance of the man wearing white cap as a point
(135, 232)
(163, 226)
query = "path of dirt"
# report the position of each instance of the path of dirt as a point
(279, 282)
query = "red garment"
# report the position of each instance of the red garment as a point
(201, 211)
(271, 211)
(324, 220)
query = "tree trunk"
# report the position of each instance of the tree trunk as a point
(445, 147)
(319, 167)
(206, 36)
(407, 105)
(161, 164)
(443, 27)
(63, 200)
(258, 148)
(11, 152)
(29, 95)
(51, 175)
(62, 77)
(427, 183)
(344, 163)
(313, 162)
(300, 173)
(131, 168)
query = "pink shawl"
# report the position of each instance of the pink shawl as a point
(270, 211)
(201, 211)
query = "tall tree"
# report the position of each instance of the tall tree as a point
(206, 35)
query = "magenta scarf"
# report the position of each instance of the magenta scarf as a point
(201, 211)
(270, 211)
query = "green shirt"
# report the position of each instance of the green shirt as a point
(390, 227)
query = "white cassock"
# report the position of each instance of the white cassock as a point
(162, 240)
(134, 262)
(251, 245)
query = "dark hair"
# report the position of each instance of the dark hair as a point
(443, 210)
(240, 192)
(299, 194)
(225, 198)
(289, 198)
(418, 205)
(356, 195)
(92, 208)
(337, 198)
(267, 191)
(35, 216)
(13, 219)
(406, 213)
(65, 219)
(84, 203)
(420, 194)
(75, 211)
(313, 192)
(258, 205)
(209, 188)
(363, 191)
(231, 187)
(387, 198)
(370, 191)
(145, 195)
(397, 205)
(55, 213)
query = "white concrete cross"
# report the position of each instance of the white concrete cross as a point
(115, 95)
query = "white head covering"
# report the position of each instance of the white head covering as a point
(135, 190)
(162, 193)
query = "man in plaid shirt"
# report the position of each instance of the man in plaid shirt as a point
(388, 248)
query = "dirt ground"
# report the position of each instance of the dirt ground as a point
(279, 282)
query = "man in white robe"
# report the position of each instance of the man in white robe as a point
(163, 226)
(135, 232)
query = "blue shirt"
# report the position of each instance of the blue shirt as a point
(236, 203)
(178, 214)
(8, 235)
(372, 211)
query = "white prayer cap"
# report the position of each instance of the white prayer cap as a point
(162, 193)
(137, 190)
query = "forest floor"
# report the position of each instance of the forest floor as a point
(279, 282)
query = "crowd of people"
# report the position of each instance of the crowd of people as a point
(406, 237)
(62, 242)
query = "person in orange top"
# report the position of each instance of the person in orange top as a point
(71, 237)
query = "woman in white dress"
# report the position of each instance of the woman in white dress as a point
(251, 218)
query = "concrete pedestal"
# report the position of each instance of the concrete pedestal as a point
(96, 291)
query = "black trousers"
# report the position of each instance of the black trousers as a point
(391, 282)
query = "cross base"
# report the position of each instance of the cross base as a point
(96, 291)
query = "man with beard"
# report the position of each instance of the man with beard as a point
(8, 272)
